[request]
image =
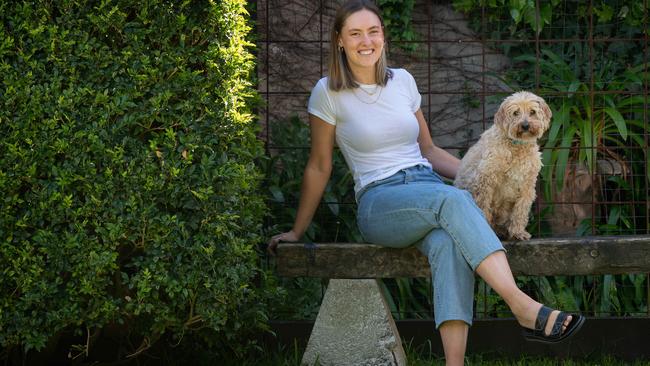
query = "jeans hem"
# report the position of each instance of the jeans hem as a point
(450, 317)
(490, 252)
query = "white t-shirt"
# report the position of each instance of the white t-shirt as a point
(379, 138)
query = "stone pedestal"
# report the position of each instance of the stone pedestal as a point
(354, 327)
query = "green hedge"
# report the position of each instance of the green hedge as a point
(129, 190)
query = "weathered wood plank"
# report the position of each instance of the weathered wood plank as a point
(547, 256)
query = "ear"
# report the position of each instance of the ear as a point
(545, 109)
(500, 115)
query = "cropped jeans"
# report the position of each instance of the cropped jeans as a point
(415, 207)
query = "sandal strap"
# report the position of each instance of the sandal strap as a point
(559, 323)
(542, 318)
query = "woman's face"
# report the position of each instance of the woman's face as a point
(362, 38)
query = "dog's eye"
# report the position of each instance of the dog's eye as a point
(532, 112)
(516, 113)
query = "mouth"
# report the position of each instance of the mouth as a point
(529, 134)
(526, 136)
(366, 52)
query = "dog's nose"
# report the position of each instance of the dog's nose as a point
(525, 125)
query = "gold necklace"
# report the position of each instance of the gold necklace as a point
(369, 94)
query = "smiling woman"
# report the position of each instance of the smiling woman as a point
(362, 39)
(357, 45)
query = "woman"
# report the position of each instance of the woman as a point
(374, 115)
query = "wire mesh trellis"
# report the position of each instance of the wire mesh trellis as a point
(589, 61)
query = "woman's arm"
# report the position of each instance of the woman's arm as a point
(315, 178)
(442, 161)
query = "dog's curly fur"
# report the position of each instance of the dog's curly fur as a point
(501, 169)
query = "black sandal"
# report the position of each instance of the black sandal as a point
(556, 335)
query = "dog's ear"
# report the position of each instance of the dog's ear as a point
(500, 115)
(545, 109)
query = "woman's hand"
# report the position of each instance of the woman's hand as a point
(273, 243)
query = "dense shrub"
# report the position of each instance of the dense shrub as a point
(129, 189)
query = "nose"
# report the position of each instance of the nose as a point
(524, 125)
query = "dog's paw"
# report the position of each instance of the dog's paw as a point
(523, 235)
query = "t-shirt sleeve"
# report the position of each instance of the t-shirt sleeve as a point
(320, 103)
(416, 98)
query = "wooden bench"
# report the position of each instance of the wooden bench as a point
(357, 266)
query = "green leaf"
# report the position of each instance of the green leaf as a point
(547, 172)
(614, 216)
(332, 203)
(277, 194)
(587, 144)
(618, 120)
(546, 14)
(574, 86)
(560, 119)
(516, 15)
(563, 156)
(604, 13)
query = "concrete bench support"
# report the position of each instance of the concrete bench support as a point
(354, 327)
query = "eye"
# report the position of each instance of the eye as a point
(516, 113)
(532, 112)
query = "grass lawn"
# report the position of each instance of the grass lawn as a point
(293, 355)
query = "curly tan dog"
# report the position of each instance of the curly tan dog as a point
(501, 169)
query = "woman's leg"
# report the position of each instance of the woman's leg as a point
(495, 270)
(453, 293)
(398, 215)
(457, 217)
(454, 341)
(403, 212)
(452, 278)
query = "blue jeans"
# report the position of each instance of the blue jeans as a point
(415, 207)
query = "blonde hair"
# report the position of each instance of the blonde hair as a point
(340, 74)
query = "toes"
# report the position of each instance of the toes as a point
(567, 321)
(551, 321)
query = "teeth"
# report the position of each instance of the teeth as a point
(366, 52)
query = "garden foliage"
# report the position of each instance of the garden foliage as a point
(129, 190)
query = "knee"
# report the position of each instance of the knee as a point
(436, 244)
(458, 200)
